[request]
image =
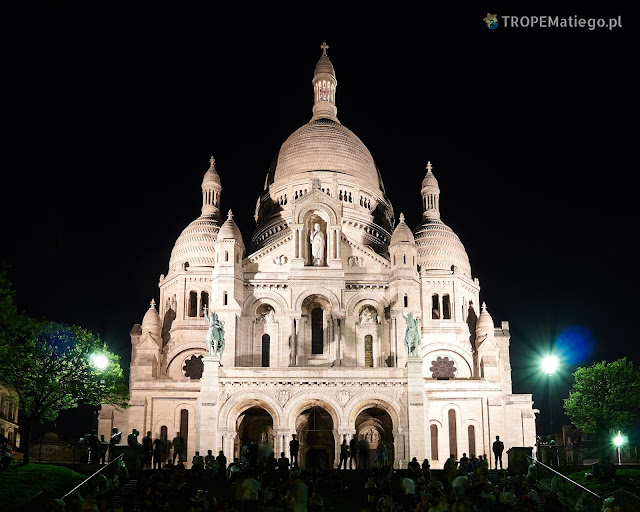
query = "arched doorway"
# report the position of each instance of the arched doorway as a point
(374, 428)
(314, 429)
(254, 424)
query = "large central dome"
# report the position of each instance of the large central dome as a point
(325, 145)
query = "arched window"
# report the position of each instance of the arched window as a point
(266, 350)
(368, 351)
(472, 440)
(164, 437)
(446, 307)
(192, 308)
(453, 434)
(434, 442)
(435, 306)
(184, 428)
(317, 319)
(204, 301)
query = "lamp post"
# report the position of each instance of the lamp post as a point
(549, 365)
(619, 441)
(100, 361)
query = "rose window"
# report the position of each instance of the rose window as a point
(193, 367)
(443, 368)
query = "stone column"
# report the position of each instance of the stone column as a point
(207, 405)
(337, 438)
(415, 391)
(294, 343)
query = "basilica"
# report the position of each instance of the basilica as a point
(314, 316)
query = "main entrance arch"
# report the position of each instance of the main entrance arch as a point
(314, 428)
(254, 424)
(375, 427)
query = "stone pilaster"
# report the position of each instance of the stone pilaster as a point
(415, 389)
(207, 405)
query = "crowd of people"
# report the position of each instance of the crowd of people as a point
(258, 481)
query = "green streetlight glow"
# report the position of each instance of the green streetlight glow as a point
(618, 440)
(549, 364)
(100, 361)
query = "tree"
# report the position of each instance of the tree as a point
(50, 367)
(605, 398)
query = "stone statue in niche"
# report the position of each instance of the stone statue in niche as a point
(368, 316)
(316, 238)
(270, 317)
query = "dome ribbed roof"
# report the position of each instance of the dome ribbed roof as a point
(439, 248)
(195, 244)
(324, 66)
(151, 321)
(484, 324)
(402, 233)
(326, 145)
(429, 180)
(229, 230)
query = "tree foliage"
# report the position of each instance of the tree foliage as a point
(50, 367)
(605, 397)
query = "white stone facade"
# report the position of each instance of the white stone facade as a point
(314, 335)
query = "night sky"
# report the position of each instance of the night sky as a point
(109, 124)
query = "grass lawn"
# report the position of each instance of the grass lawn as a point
(627, 479)
(18, 483)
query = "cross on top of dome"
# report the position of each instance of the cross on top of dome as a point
(324, 47)
(401, 217)
(230, 215)
(152, 303)
(428, 166)
(212, 161)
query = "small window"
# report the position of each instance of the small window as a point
(453, 434)
(204, 301)
(435, 306)
(446, 307)
(192, 307)
(225, 299)
(266, 350)
(434, 442)
(226, 255)
(406, 301)
(317, 319)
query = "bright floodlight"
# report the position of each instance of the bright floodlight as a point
(549, 364)
(100, 361)
(618, 440)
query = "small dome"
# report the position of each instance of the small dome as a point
(326, 145)
(324, 66)
(429, 179)
(211, 176)
(402, 233)
(229, 230)
(151, 321)
(439, 248)
(195, 244)
(484, 325)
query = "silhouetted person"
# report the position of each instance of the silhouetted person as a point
(115, 439)
(498, 448)
(283, 464)
(93, 442)
(178, 447)
(363, 454)
(221, 459)
(147, 450)
(252, 452)
(294, 446)
(132, 439)
(344, 454)
(353, 452)
(158, 446)
(104, 446)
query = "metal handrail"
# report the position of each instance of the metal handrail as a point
(620, 490)
(89, 478)
(560, 474)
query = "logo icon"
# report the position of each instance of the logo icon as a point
(491, 21)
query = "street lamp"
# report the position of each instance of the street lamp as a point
(619, 441)
(100, 361)
(549, 365)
